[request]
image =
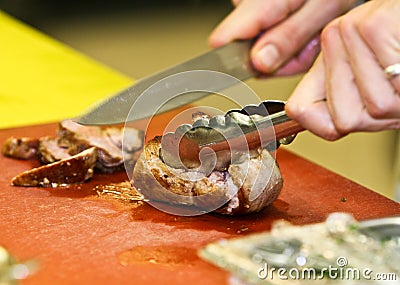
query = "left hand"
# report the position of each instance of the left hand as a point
(287, 31)
(347, 90)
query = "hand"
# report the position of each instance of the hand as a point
(347, 90)
(288, 31)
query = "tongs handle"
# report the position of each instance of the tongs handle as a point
(282, 128)
(276, 128)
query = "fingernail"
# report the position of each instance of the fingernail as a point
(268, 57)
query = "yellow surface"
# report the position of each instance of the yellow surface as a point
(42, 80)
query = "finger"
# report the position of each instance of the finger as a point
(236, 2)
(307, 104)
(251, 17)
(376, 48)
(345, 103)
(383, 16)
(303, 61)
(282, 42)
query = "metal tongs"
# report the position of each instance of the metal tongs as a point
(225, 136)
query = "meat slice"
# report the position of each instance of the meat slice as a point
(108, 142)
(21, 148)
(50, 151)
(75, 169)
(129, 140)
(76, 138)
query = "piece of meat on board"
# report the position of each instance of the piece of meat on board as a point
(75, 169)
(108, 142)
(21, 148)
(50, 151)
(244, 187)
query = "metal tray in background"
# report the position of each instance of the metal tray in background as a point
(383, 228)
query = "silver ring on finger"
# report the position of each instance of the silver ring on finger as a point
(392, 70)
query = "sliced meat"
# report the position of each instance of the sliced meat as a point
(108, 142)
(77, 138)
(20, 148)
(50, 151)
(129, 140)
(75, 169)
(130, 143)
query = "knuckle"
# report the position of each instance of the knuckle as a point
(379, 110)
(328, 34)
(346, 125)
(295, 110)
(367, 28)
(331, 135)
(347, 27)
(327, 131)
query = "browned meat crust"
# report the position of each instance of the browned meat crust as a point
(20, 148)
(76, 169)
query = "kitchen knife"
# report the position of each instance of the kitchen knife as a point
(232, 59)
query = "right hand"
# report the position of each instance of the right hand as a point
(347, 90)
(288, 31)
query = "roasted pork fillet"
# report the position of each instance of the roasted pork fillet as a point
(243, 188)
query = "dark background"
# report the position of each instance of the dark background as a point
(38, 12)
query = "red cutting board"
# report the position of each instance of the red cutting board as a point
(80, 238)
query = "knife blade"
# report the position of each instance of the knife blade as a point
(232, 59)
